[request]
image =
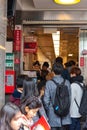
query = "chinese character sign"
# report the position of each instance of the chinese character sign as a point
(17, 38)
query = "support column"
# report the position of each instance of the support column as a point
(3, 24)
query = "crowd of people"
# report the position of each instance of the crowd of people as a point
(32, 100)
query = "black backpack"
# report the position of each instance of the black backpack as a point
(83, 104)
(62, 101)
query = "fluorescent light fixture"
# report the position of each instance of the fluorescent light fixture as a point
(56, 42)
(70, 54)
(67, 2)
(55, 36)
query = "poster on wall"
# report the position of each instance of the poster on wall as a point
(17, 38)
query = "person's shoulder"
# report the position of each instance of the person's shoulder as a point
(16, 94)
(49, 81)
(74, 85)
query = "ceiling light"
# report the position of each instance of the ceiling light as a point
(67, 2)
(70, 54)
(56, 36)
(56, 42)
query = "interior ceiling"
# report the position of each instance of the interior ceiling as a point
(68, 19)
(48, 10)
(49, 5)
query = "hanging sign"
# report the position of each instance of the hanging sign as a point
(84, 52)
(81, 61)
(30, 47)
(17, 38)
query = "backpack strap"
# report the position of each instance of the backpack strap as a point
(58, 83)
(54, 81)
(77, 82)
(81, 88)
(76, 103)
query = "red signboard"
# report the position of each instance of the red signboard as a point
(81, 61)
(30, 47)
(17, 38)
(9, 81)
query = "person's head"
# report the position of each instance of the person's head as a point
(72, 63)
(29, 88)
(29, 106)
(57, 68)
(45, 65)
(10, 117)
(67, 64)
(59, 60)
(75, 71)
(20, 79)
(36, 65)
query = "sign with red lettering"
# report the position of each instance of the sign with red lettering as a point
(81, 61)
(17, 61)
(17, 38)
(30, 47)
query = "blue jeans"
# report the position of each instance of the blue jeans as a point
(75, 124)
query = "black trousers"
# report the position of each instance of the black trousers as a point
(66, 127)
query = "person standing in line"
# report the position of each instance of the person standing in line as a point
(37, 67)
(76, 94)
(29, 107)
(11, 117)
(30, 89)
(69, 65)
(55, 121)
(45, 66)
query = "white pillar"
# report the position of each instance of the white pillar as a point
(3, 23)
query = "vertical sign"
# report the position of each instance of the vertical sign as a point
(81, 61)
(17, 38)
(9, 61)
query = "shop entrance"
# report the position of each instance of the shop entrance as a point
(42, 48)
